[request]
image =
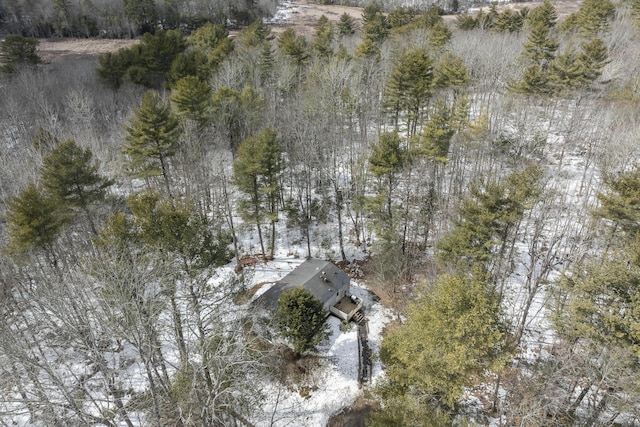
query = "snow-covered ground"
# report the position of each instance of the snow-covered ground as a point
(335, 384)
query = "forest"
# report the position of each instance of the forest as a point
(478, 172)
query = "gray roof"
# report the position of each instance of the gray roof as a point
(319, 277)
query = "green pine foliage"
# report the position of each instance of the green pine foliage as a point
(71, 175)
(544, 15)
(294, 46)
(375, 25)
(510, 21)
(437, 131)
(438, 36)
(256, 172)
(17, 52)
(386, 160)
(147, 63)
(541, 46)
(213, 42)
(346, 25)
(34, 220)
(238, 114)
(152, 139)
(409, 87)
(321, 42)
(450, 72)
(175, 226)
(486, 219)
(451, 334)
(620, 203)
(191, 98)
(592, 19)
(254, 34)
(301, 320)
(466, 22)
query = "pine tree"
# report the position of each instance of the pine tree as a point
(70, 175)
(466, 22)
(375, 25)
(293, 46)
(386, 160)
(436, 134)
(191, 97)
(254, 34)
(540, 47)
(34, 221)
(152, 136)
(346, 25)
(17, 51)
(487, 219)
(451, 333)
(451, 72)
(565, 72)
(535, 81)
(323, 37)
(409, 87)
(256, 172)
(592, 59)
(301, 319)
(544, 15)
(438, 36)
(213, 42)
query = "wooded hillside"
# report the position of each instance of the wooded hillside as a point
(481, 172)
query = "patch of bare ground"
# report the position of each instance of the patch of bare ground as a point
(245, 296)
(296, 373)
(355, 415)
(563, 7)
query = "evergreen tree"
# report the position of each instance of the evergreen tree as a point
(33, 221)
(346, 25)
(592, 59)
(301, 319)
(565, 72)
(620, 203)
(238, 114)
(540, 47)
(436, 134)
(451, 333)
(386, 160)
(70, 174)
(256, 172)
(293, 46)
(466, 22)
(152, 139)
(451, 72)
(487, 220)
(254, 34)
(592, 19)
(191, 97)
(375, 25)
(176, 227)
(544, 15)
(213, 42)
(535, 81)
(409, 87)
(16, 52)
(438, 36)
(323, 37)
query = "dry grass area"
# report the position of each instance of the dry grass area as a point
(301, 17)
(56, 49)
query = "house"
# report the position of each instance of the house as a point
(325, 281)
